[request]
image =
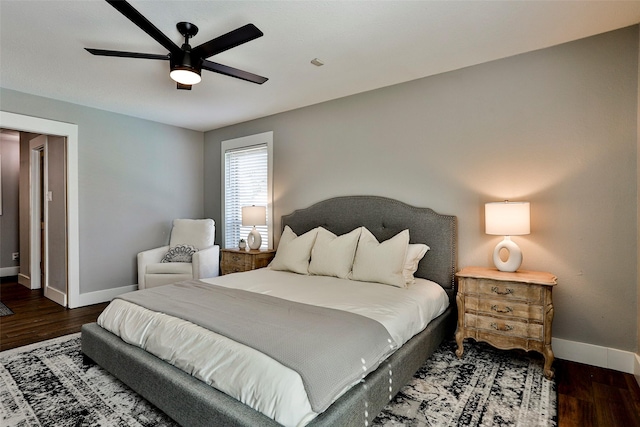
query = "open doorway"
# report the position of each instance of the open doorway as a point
(36, 212)
(64, 279)
(46, 207)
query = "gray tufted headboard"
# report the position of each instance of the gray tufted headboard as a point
(385, 218)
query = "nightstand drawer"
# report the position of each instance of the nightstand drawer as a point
(228, 269)
(504, 307)
(511, 290)
(233, 257)
(511, 327)
(237, 260)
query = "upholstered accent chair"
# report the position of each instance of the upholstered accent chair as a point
(190, 238)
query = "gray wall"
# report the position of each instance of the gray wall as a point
(135, 176)
(556, 127)
(57, 213)
(10, 157)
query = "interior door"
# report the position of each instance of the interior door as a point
(48, 227)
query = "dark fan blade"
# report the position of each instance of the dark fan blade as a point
(227, 41)
(182, 87)
(101, 52)
(233, 72)
(136, 17)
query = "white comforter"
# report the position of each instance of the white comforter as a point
(247, 374)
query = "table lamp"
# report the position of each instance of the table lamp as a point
(254, 215)
(507, 219)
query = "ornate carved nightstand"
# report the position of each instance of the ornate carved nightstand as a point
(506, 310)
(237, 260)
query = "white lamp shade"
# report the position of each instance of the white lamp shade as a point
(507, 218)
(254, 215)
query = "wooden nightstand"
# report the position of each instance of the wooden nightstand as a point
(236, 260)
(506, 310)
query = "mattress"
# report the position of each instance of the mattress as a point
(250, 376)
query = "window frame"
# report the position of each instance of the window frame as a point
(238, 144)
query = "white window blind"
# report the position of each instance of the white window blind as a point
(246, 183)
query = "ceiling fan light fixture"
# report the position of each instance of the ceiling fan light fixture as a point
(185, 76)
(184, 68)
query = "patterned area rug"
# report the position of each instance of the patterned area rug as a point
(4, 310)
(46, 384)
(486, 387)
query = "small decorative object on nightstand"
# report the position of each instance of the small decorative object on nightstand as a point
(237, 260)
(506, 310)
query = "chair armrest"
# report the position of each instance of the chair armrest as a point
(152, 256)
(206, 262)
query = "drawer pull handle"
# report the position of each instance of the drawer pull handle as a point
(505, 328)
(236, 258)
(507, 309)
(507, 291)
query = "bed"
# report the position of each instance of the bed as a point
(191, 402)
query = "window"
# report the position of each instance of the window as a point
(246, 181)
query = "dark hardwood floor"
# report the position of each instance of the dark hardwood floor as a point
(37, 318)
(587, 395)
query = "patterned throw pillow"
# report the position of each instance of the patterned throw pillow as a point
(180, 253)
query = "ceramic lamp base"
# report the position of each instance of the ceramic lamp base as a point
(514, 260)
(254, 239)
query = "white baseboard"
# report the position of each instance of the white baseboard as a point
(595, 355)
(9, 271)
(56, 296)
(24, 280)
(90, 298)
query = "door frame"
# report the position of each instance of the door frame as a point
(31, 124)
(37, 211)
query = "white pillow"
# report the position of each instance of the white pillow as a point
(333, 255)
(381, 262)
(294, 252)
(415, 253)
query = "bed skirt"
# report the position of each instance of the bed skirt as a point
(191, 402)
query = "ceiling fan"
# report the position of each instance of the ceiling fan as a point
(186, 63)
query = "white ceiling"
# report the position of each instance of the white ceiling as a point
(364, 45)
